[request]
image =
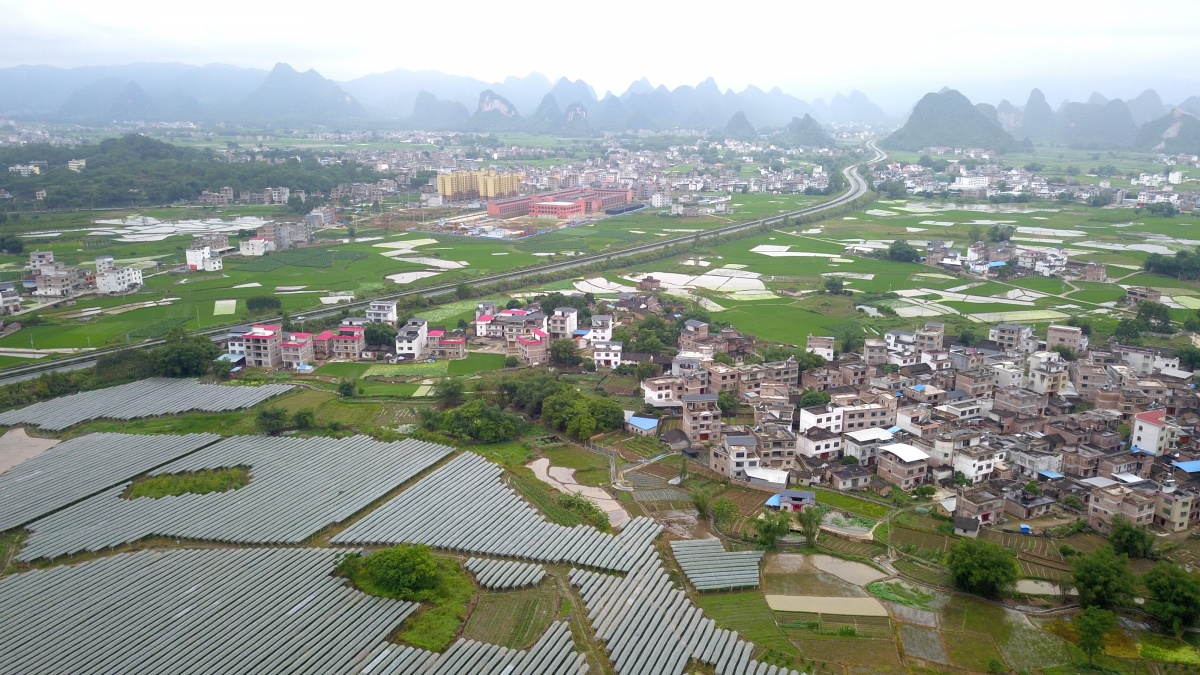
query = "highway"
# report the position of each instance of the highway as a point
(858, 186)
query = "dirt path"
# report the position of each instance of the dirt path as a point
(563, 480)
(16, 447)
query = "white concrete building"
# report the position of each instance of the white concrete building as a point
(412, 339)
(254, 246)
(203, 259)
(119, 280)
(606, 354)
(1152, 432)
(382, 311)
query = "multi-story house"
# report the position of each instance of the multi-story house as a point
(776, 446)
(976, 462)
(262, 344)
(733, 455)
(382, 311)
(607, 354)
(1014, 337)
(348, 342)
(818, 443)
(563, 323)
(975, 382)
(411, 340)
(903, 465)
(864, 444)
(1152, 431)
(1109, 502)
(930, 337)
(533, 349)
(443, 346)
(701, 418)
(10, 299)
(1047, 373)
(827, 416)
(875, 352)
(981, 503)
(1071, 337)
(297, 350)
(602, 327)
(821, 345)
(118, 280)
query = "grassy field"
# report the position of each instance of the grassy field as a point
(476, 363)
(749, 615)
(514, 619)
(191, 482)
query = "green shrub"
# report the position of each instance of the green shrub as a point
(191, 482)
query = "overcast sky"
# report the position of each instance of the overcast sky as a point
(894, 51)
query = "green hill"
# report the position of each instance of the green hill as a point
(948, 118)
(1177, 131)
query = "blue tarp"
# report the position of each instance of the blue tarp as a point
(1190, 467)
(918, 387)
(773, 501)
(1050, 474)
(996, 264)
(894, 430)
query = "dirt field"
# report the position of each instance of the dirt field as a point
(16, 447)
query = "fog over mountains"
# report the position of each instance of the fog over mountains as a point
(400, 98)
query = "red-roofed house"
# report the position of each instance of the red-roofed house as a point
(533, 350)
(323, 343)
(1153, 432)
(442, 347)
(263, 346)
(349, 342)
(484, 324)
(297, 350)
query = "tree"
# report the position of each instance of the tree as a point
(1003, 271)
(449, 392)
(1174, 596)
(511, 362)
(184, 355)
(1130, 540)
(982, 568)
(1156, 316)
(263, 304)
(1064, 351)
(564, 352)
(271, 420)
(850, 337)
(809, 518)
(723, 358)
(380, 335)
(646, 370)
(1128, 330)
(649, 343)
(727, 402)
(702, 500)
(771, 527)
(347, 389)
(1092, 624)
(967, 337)
(305, 418)
(723, 510)
(464, 291)
(1102, 579)
(974, 234)
(402, 571)
(902, 251)
(222, 368)
(11, 244)
(811, 398)
(834, 285)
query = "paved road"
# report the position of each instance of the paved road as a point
(858, 186)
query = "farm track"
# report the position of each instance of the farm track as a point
(858, 187)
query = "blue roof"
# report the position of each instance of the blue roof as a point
(997, 264)
(644, 423)
(918, 387)
(895, 430)
(773, 501)
(1050, 474)
(1190, 467)
(580, 332)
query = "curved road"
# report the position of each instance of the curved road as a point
(858, 186)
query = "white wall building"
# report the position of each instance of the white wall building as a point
(203, 259)
(119, 280)
(255, 246)
(382, 311)
(412, 338)
(606, 354)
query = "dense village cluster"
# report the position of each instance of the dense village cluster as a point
(975, 173)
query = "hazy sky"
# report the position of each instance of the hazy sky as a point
(892, 50)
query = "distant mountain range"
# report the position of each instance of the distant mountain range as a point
(947, 118)
(400, 98)
(156, 92)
